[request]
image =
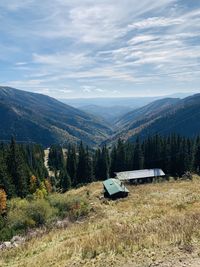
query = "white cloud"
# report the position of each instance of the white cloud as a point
(141, 39)
(89, 43)
(100, 90)
(62, 59)
(20, 63)
(155, 22)
(25, 83)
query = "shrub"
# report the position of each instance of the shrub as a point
(68, 206)
(3, 201)
(6, 233)
(40, 212)
(24, 214)
(41, 192)
(17, 217)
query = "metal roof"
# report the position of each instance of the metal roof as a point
(140, 174)
(114, 186)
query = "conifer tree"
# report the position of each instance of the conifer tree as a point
(97, 164)
(18, 169)
(121, 157)
(102, 164)
(56, 158)
(138, 158)
(72, 164)
(105, 164)
(88, 176)
(65, 180)
(81, 168)
(113, 165)
(5, 178)
(197, 159)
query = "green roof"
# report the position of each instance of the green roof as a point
(114, 186)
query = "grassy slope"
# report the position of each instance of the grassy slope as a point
(155, 223)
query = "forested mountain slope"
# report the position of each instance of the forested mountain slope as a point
(181, 116)
(42, 119)
(148, 112)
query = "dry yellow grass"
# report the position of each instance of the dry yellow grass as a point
(154, 219)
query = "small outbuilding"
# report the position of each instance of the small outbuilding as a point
(140, 176)
(114, 188)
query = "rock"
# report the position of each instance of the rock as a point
(17, 239)
(15, 245)
(7, 244)
(62, 224)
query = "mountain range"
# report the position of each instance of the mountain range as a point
(112, 108)
(165, 116)
(42, 119)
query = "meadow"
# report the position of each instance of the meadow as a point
(155, 222)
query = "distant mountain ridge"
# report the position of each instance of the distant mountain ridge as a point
(42, 119)
(113, 108)
(108, 114)
(130, 102)
(163, 116)
(45, 120)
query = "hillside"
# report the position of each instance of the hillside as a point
(42, 119)
(166, 116)
(157, 225)
(183, 119)
(147, 113)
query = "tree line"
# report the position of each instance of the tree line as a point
(23, 173)
(175, 154)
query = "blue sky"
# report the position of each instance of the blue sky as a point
(107, 48)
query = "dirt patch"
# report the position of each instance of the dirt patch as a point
(176, 257)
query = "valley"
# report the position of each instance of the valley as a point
(38, 118)
(99, 133)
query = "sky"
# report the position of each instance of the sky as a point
(101, 48)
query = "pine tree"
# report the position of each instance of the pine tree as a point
(5, 178)
(138, 159)
(18, 169)
(97, 164)
(88, 167)
(65, 180)
(197, 158)
(72, 164)
(113, 165)
(105, 164)
(102, 164)
(81, 169)
(56, 158)
(121, 157)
